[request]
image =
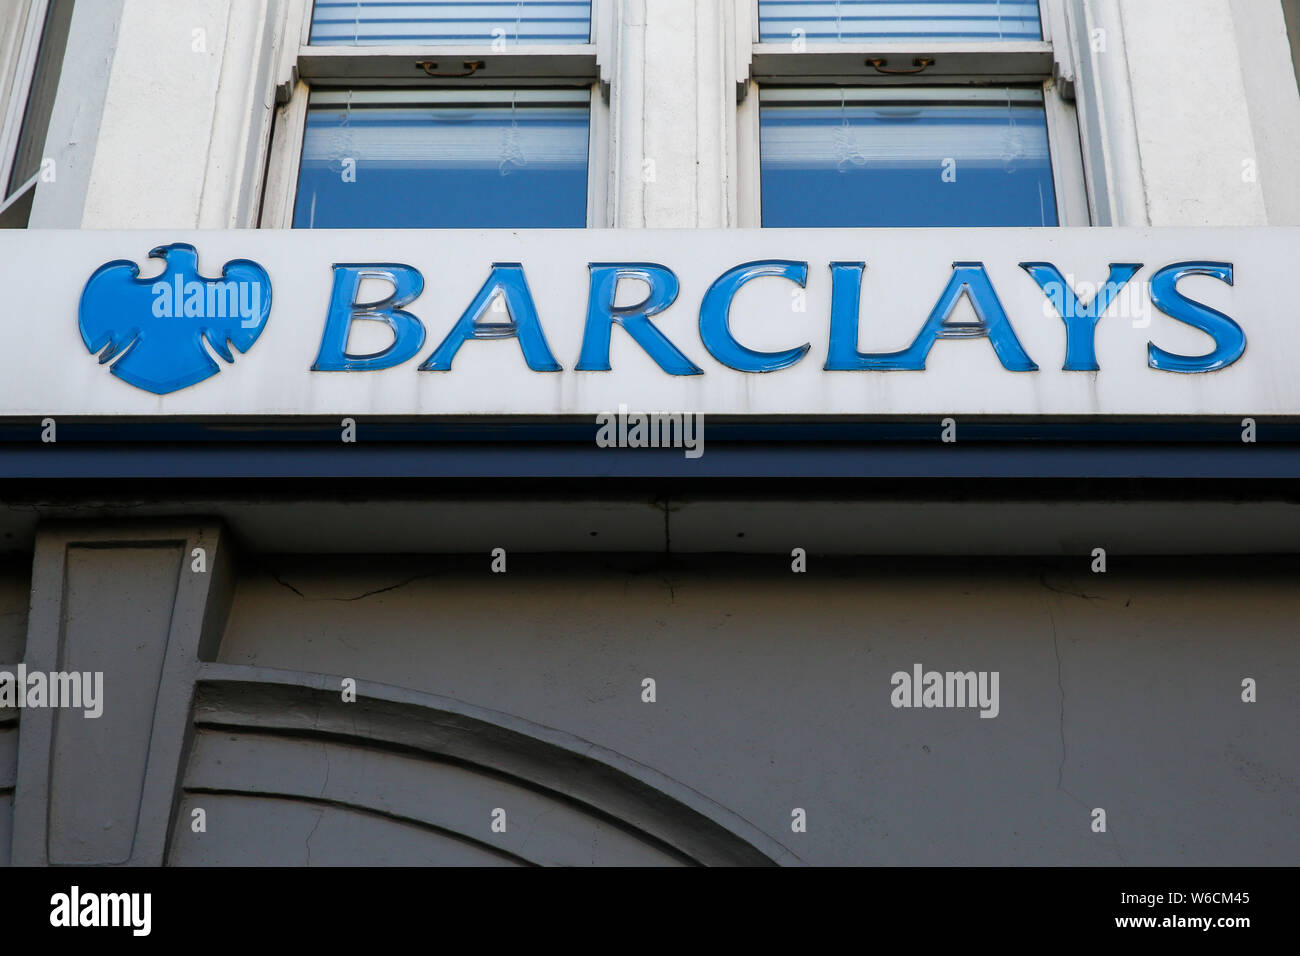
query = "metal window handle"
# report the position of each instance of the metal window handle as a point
(469, 66)
(921, 63)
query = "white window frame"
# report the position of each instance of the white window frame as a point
(19, 70)
(835, 63)
(575, 65)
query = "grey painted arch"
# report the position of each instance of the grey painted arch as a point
(439, 765)
(132, 599)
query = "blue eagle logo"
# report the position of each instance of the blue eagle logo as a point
(155, 328)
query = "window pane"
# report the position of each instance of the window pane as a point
(40, 98)
(441, 159)
(920, 156)
(472, 21)
(822, 20)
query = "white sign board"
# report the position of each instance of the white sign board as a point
(57, 326)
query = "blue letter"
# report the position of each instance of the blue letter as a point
(715, 317)
(408, 331)
(846, 298)
(508, 279)
(1229, 339)
(1080, 321)
(602, 314)
(970, 279)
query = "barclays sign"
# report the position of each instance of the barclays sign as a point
(725, 322)
(507, 282)
(153, 330)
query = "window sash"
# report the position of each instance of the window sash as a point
(468, 67)
(856, 21)
(485, 158)
(874, 157)
(441, 23)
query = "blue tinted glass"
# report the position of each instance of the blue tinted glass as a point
(919, 156)
(469, 21)
(496, 159)
(850, 20)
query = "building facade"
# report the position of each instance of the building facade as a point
(418, 579)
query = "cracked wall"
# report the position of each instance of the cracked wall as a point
(1118, 690)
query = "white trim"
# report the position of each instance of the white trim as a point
(745, 35)
(243, 113)
(1111, 157)
(1067, 160)
(304, 30)
(1272, 103)
(749, 191)
(604, 19)
(627, 119)
(288, 124)
(599, 159)
(80, 129)
(286, 156)
(1050, 15)
(291, 40)
(1056, 30)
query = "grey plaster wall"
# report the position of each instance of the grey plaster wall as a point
(123, 601)
(227, 739)
(1120, 691)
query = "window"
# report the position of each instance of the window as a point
(851, 20)
(33, 79)
(924, 113)
(471, 114)
(906, 156)
(442, 159)
(514, 21)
